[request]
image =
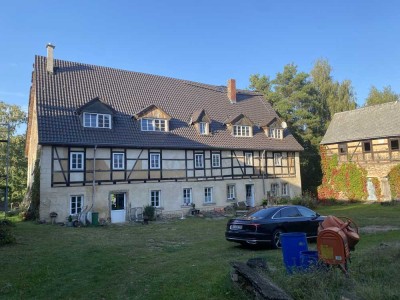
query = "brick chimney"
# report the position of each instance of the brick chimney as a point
(50, 58)
(232, 90)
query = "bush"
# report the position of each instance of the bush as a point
(149, 211)
(308, 200)
(6, 236)
(13, 213)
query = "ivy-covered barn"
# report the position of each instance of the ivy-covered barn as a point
(361, 155)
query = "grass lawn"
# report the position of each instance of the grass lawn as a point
(186, 259)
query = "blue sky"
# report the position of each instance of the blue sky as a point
(204, 41)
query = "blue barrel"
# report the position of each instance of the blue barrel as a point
(308, 259)
(292, 245)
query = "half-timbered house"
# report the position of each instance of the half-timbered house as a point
(112, 140)
(370, 137)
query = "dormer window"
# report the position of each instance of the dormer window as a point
(203, 128)
(241, 130)
(96, 120)
(153, 118)
(275, 133)
(154, 125)
(201, 122)
(96, 114)
(274, 128)
(240, 125)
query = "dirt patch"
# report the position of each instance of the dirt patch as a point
(378, 228)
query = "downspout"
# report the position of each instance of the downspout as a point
(94, 176)
(263, 170)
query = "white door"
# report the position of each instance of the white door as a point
(118, 210)
(250, 195)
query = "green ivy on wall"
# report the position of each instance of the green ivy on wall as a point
(394, 181)
(34, 196)
(347, 180)
(378, 190)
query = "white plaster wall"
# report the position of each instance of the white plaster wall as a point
(57, 199)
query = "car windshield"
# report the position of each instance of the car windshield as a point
(262, 213)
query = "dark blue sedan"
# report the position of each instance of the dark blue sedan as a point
(267, 224)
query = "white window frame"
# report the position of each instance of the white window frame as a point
(203, 128)
(248, 158)
(155, 161)
(285, 189)
(95, 120)
(75, 206)
(148, 124)
(155, 198)
(274, 189)
(187, 196)
(278, 159)
(75, 165)
(118, 161)
(242, 130)
(275, 133)
(199, 160)
(231, 191)
(208, 195)
(216, 160)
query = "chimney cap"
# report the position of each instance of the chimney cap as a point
(50, 45)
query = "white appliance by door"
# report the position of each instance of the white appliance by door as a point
(118, 208)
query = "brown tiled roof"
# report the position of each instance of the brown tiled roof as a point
(74, 84)
(377, 121)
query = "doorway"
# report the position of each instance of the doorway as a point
(118, 207)
(250, 195)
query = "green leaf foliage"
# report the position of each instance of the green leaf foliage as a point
(346, 181)
(307, 103)
(17, 171)
(394, 181)
(376, 96)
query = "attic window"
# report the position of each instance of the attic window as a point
(241, 130)
(275, 133)
(154, 124)
(96, 120)
(203, 128)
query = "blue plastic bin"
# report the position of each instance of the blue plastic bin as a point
(292, 245)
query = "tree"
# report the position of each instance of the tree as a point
(307, 103)
(295, 99)
(14, 116)
(333, 96)
(378, 97)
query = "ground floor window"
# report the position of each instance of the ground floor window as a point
(285, 189)
(208, 195)
(76, 203)
(231, 192)
(187, 196)
(155, 198)
(274, 189)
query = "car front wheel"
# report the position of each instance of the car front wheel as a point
(276, 239)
